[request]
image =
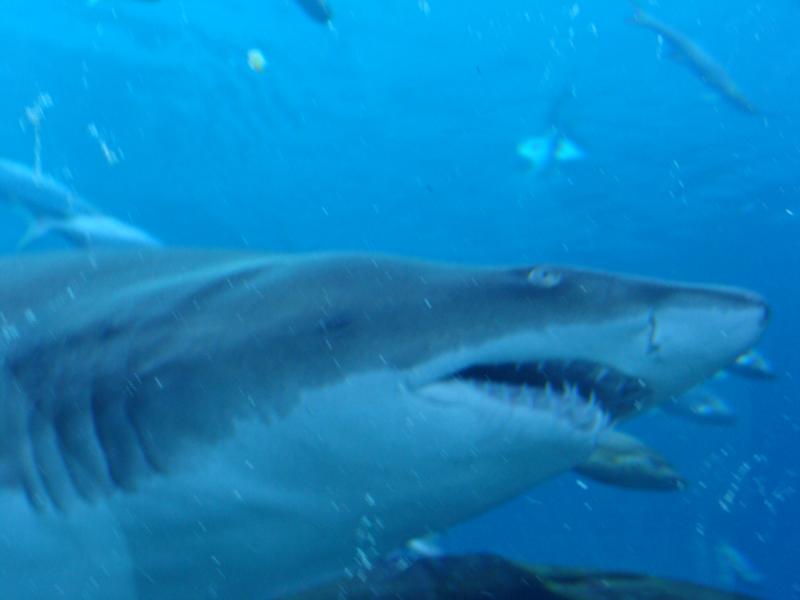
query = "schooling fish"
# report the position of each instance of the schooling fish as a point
(686, 52)
(184, 424)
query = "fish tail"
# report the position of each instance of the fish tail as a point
(37, 230)
(639, 16)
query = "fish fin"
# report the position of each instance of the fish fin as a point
(568, 150)
(536, 150)
(639, 16)
(36, 230)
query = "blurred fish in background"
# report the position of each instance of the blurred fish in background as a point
(684, 51)
(701, 406)
(545, 151)
(753, 365)
(317, 10)
(56, 209)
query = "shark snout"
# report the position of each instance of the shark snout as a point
(697, 331)
(742, 308)
(761, 308)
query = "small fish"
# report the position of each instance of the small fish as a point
(89, 231)
(256, 60)
(318, 10)
(753, 365)
(622, 460)
(555, 146)
(702, 407)
(688, 53)
(546, 150)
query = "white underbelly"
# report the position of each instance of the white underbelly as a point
(276, 507)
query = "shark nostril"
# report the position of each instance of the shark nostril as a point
(766, 314)
(653, 344)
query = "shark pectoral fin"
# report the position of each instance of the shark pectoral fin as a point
(622, 460)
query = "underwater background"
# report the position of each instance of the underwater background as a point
(396, 130)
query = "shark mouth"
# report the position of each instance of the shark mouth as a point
(589, 394)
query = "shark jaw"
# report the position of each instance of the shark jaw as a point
(264, 424)
(364, 466)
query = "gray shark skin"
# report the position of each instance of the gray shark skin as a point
(191, 424)
(689, 54)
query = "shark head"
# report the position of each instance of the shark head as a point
(629, 342)
(512, 373)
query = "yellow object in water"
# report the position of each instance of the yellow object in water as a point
(256, 60)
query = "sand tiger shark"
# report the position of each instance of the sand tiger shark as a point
(211, 424)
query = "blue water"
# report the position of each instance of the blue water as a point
(397, 133)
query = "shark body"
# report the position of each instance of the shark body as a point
(189, 424)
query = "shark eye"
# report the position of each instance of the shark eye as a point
(544, 278)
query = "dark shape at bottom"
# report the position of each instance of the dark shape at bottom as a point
(485, 576)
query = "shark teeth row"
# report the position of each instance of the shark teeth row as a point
(567, 403)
